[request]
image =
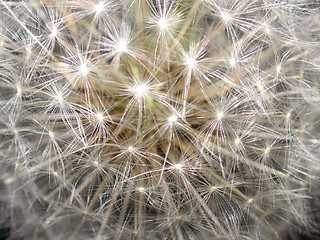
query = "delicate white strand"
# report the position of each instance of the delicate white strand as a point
(159, 119)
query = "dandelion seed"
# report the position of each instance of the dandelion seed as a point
(15, 131)
(98, 8)
(220, 115)
(250, 201)
(232, 62)
(178, 166)
(84, 70)
(59, 98)
(267, 151)
(100, 117)
(213, 188)
(122, 46)
(51, 134)
(278, 68)
(237, 141)
(8, 181)
(54, 32)
(19, 90)
(95, 163)
(288, 115)
(267, 30)
(191, 62)
(163, 23)
(140, 90)
(141, 189)
(172, 119)
(29, 51)
(260, 87)
(225, 17)
(131, 149)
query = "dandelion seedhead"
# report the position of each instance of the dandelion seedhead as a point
(158, 119)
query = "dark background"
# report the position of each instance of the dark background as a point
(5, 232)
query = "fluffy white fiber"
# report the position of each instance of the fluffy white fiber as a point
(159, 119)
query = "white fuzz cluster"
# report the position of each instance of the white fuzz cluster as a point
(159, 119)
